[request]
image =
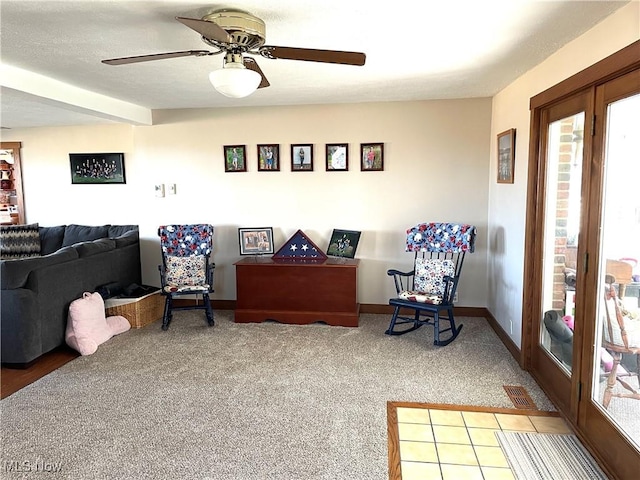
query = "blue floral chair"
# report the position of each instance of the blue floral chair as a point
(429, 289)
(186, 269)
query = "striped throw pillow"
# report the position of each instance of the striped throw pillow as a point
(19, 241)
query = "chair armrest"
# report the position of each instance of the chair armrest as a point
(398, 272)
(402, 280)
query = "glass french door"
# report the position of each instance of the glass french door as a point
(562, 176)
(584, 271)
(610, 410)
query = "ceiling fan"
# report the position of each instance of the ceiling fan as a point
(236, 33)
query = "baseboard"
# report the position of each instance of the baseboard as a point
(506, 339)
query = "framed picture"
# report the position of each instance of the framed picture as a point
(337, 157)
(506, 155)
(235, 158)
(343, 243)
(97, 168)
(371, 157)
(256, 241)
(302, 157)
(268, 158)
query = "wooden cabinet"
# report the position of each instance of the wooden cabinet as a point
(11, 198)
(298, 293)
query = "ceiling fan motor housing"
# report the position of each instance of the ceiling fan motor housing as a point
(248, 32)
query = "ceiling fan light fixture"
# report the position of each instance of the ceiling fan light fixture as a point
(234, 80)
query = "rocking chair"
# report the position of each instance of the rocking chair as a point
(185, 268)
(621, 336)
(430, 288)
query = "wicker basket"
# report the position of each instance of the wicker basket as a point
(139, 311)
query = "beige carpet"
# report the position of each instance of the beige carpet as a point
(247, 401)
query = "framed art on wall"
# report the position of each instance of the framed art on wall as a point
(97, 168)
(256, 241)
(506, 155)
(268, 158)
(235, 158)
(371, 157)
(337, 157)
(301, 157)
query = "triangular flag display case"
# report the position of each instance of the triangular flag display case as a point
(300, 248)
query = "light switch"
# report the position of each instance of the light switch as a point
(172, 189)
(159, 190)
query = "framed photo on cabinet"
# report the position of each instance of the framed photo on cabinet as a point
(256, 241)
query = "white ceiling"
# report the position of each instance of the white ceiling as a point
(51, 74)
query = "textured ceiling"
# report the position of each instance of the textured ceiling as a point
(51, 52)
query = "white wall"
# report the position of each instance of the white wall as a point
(435, 169)
(507, 203)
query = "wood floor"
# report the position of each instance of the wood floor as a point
(14, 379)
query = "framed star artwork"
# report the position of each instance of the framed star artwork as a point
(300, 248)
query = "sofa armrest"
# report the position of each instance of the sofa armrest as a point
(15, 273)
(129, 238)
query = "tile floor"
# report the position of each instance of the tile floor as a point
(461, 445)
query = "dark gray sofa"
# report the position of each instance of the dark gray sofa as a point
(35, 292)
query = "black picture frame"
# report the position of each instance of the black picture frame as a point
(337, 157)
(269, 157)
(343, 243)
(256, 241)
(302, 157)
(97, 168)
(372, 157)
(235, 158)
(506, 155)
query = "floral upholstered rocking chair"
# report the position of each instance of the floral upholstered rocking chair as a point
(429, 289)
(185, 268)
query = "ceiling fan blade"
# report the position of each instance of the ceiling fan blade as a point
(313, 55)
(251, 64)
(209, 30)
(155, 56)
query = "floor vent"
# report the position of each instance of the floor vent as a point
(520, 397)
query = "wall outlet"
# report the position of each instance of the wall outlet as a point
(172, 189)
(455, 297)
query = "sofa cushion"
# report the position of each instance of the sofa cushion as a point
(19, 241)
(119, 230)
(83, 233)
(86, 249)
(51, 239)
(87, 326)
(14, 273)
(420, 297)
